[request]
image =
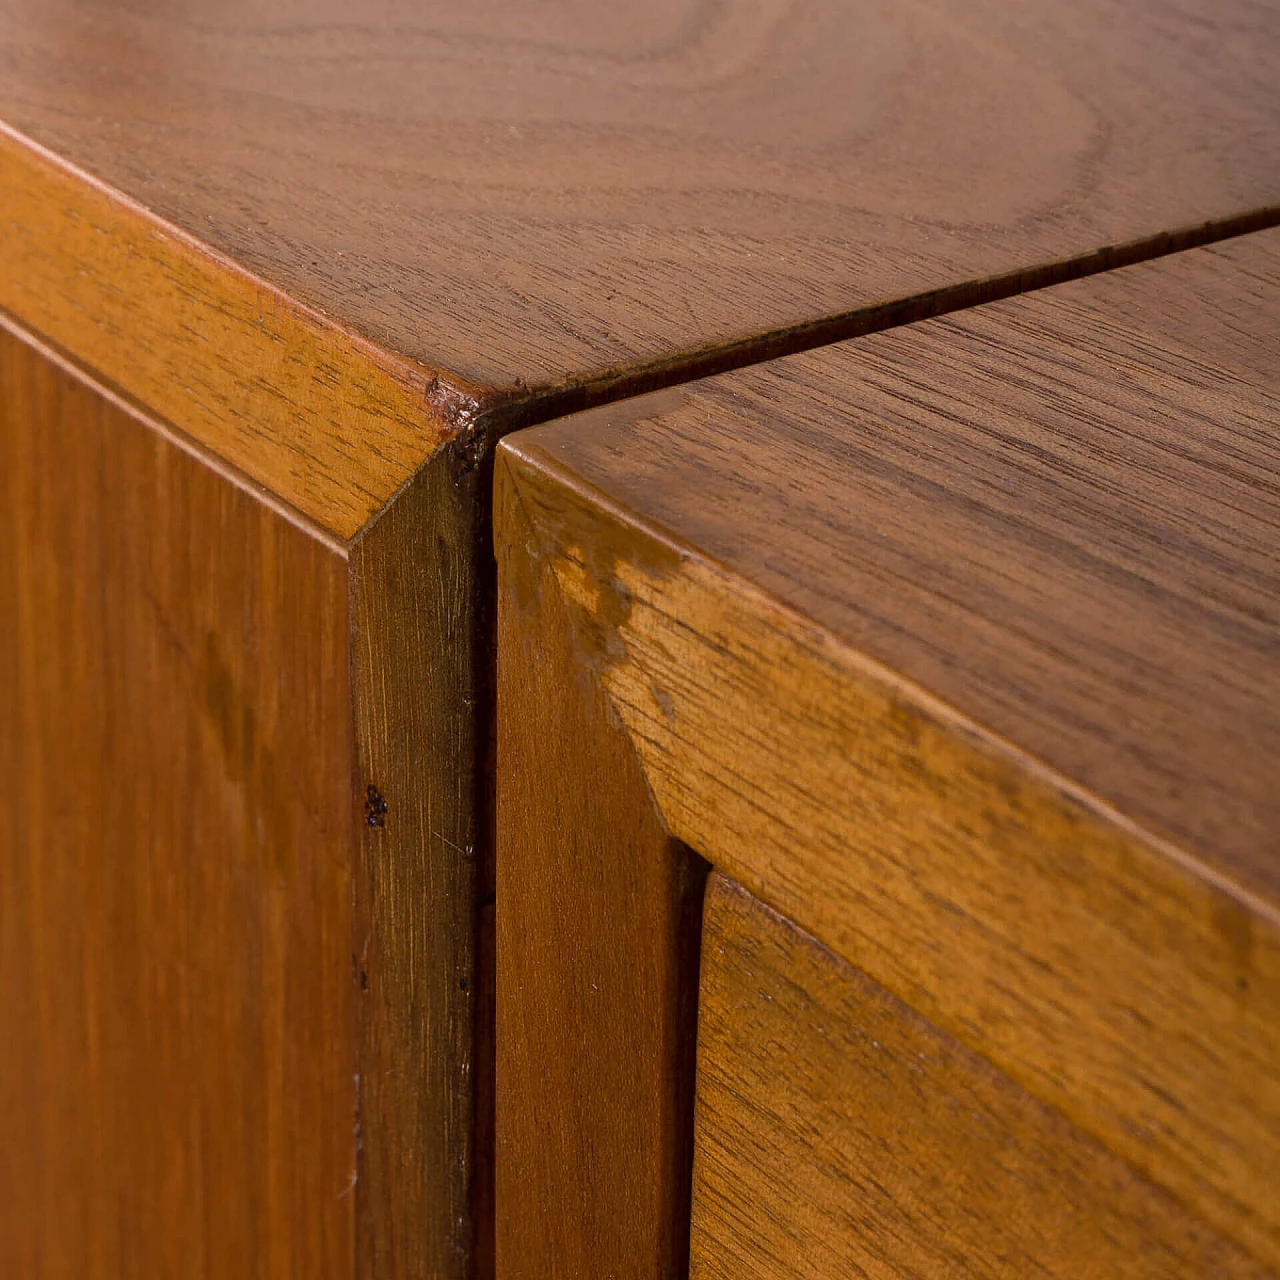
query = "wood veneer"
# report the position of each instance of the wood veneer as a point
(839, 1134)
(957, 645)
(342, 255)
(176, 881)
(564, 202)
(229, 1026)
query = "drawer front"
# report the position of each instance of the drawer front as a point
(837, 1132)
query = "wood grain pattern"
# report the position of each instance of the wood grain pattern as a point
(1056, 513)
(757, 564)
(537, 198)
(391, 237)
(839, 1134)
(321, 419)
(597, 917)
(416, 1124)
(419, 673)
(175, 893)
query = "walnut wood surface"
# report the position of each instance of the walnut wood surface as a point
(413, 1120)
(175, 888)
(394, 235)
(419, 675)
(421, 593)
(1057, 513)
(1054, 493)
(839, 1134)
(533, 196)
(597, 943)
(323, 421)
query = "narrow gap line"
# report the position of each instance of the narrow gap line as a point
(689, 366)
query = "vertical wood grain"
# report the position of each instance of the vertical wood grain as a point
(421, 732)
(841, 1134)
(597, 928)
(175, 833)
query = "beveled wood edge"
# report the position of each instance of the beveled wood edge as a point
(525, 450)
(167, 431)
(392, 1222)
(591, 1177)
(1197, 898)
(347, 444)
(926, 1140)
(327, 421)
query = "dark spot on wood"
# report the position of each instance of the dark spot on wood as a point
(375, 807)
(470, 446)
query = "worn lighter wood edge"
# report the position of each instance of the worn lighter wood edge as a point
(417, 407)
(1112, 838)
(546, 611)
(968, 735)
(179, 439)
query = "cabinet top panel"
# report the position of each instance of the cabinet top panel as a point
(539, 196)
(1056, 513)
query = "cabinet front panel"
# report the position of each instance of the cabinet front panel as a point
(176, 1093)
(838, 1133)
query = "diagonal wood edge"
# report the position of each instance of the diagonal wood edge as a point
(329, 421)
(165, 430)
(838, 1131)
(324, 419)
(598, 926)
(1111, 975)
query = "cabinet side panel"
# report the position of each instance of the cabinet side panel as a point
(597, 921)
(839, 1133)
(175, 834)
(419, 633)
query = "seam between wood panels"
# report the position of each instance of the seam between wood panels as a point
(333, 423)
(504, 414)
(623, 382)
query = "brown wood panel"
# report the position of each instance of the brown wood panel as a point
(326, 422)
(1056, 513)
(391, 236)
(1105, 512)
(839, 1134)
(175, 891)
(597, 917)
(530, 198)
(422, 711)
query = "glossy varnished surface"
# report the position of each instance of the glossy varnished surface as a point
(176, 1093)
(1055, 513)
(543, 193)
